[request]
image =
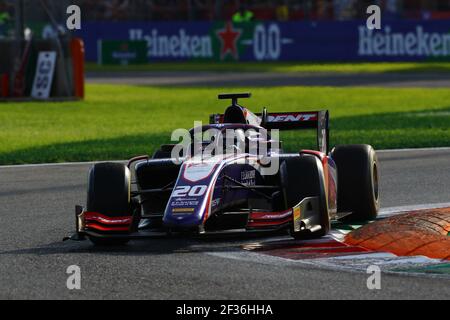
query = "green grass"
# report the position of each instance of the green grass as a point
(117, 122)
(383, 67)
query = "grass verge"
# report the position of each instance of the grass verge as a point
(117, 122)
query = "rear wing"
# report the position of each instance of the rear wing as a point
(318, 120)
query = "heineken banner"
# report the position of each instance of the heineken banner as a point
(122, 52)
(276, 41)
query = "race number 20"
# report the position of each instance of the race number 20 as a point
(188, 191)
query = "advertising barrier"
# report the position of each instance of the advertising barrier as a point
(277, 41)
(122, 52)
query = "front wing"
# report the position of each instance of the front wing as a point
(304, 217)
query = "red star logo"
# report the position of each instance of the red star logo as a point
(229, 37)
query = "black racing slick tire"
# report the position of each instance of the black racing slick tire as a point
(303, 177)
(109, 193)
(358, 188)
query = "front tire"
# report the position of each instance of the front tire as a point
(109, 193)
(303, 177)
(358, 188)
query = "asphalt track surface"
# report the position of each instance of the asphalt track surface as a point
(270, 79)
(37, 204)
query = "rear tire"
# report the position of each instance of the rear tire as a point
(109, 193)
(302, 177)
(358, 190)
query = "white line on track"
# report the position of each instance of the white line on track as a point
(392, 211)
(384, 212)
(93, 162)
(412, 150)
(64, 164)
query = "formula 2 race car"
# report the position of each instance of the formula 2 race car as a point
(252, 185)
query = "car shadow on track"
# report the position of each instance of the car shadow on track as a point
(154, 246)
